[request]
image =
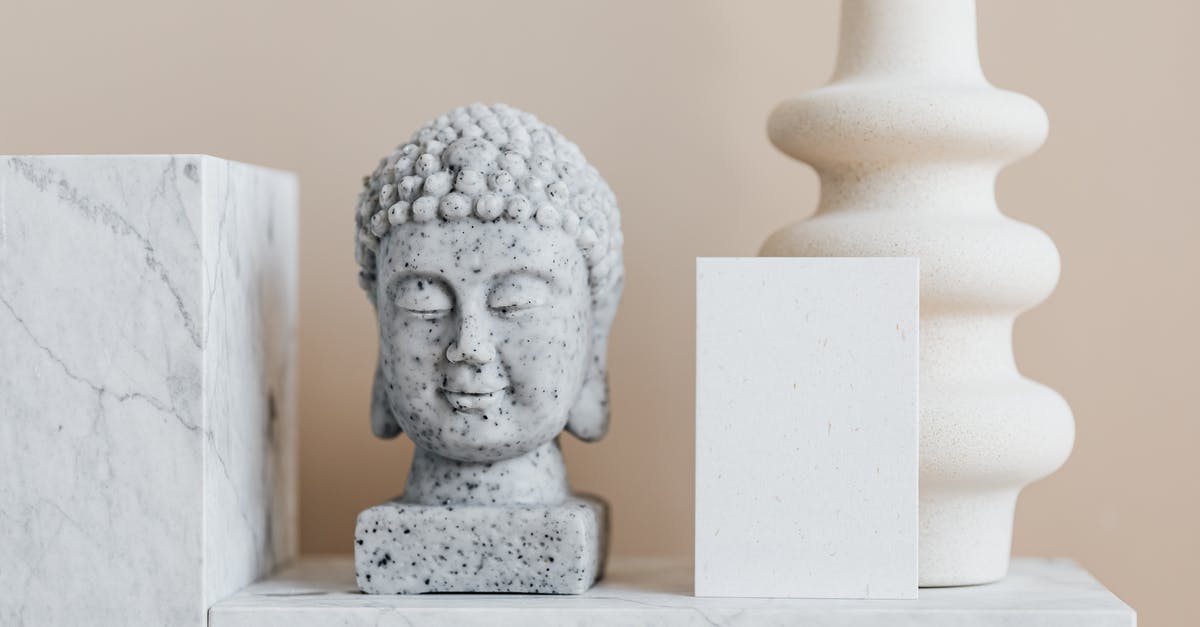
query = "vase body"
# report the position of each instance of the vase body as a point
(907, 140)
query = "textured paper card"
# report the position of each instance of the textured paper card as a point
(806, 427)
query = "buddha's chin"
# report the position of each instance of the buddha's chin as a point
(486, 438)
(478, 451)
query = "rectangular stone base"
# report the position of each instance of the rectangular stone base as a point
(402, 548)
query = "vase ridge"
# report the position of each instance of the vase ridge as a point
(907, 141)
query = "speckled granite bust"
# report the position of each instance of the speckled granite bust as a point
(492, 253)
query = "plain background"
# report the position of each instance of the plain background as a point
(669, 100)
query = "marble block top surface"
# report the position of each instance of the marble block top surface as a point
(658, 591)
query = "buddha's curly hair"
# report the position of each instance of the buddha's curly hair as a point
(493, 163)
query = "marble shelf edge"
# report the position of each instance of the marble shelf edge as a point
(319, 590)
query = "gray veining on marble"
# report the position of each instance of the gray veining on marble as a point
(658, 591)
(491, 251)
(251, 286)
(147, 323)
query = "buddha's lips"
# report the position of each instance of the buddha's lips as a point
(473, 402)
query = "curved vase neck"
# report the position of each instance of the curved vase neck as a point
(903, 40)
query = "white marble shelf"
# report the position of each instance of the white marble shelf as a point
(653, 591)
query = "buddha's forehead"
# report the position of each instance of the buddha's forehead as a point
(471, 248)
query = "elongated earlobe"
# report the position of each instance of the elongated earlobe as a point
(588, 419)
(383, 423)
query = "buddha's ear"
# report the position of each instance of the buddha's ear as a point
(588, 419)
(383, 423)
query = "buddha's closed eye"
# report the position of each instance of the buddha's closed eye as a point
(424, 298)
(515, 294)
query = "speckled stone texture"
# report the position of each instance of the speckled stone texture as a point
(491, 251)
(402, 548)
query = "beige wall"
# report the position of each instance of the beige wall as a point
(669, 101)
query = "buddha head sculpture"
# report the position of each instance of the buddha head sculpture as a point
(491, 251)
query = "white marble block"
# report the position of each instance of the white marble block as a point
(147, 385)
(806, 428)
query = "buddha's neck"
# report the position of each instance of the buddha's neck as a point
(536, 478)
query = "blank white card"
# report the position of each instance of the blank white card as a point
(806, 427)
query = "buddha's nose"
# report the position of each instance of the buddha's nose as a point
(473, 345)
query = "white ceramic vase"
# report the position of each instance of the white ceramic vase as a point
(907, 140)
